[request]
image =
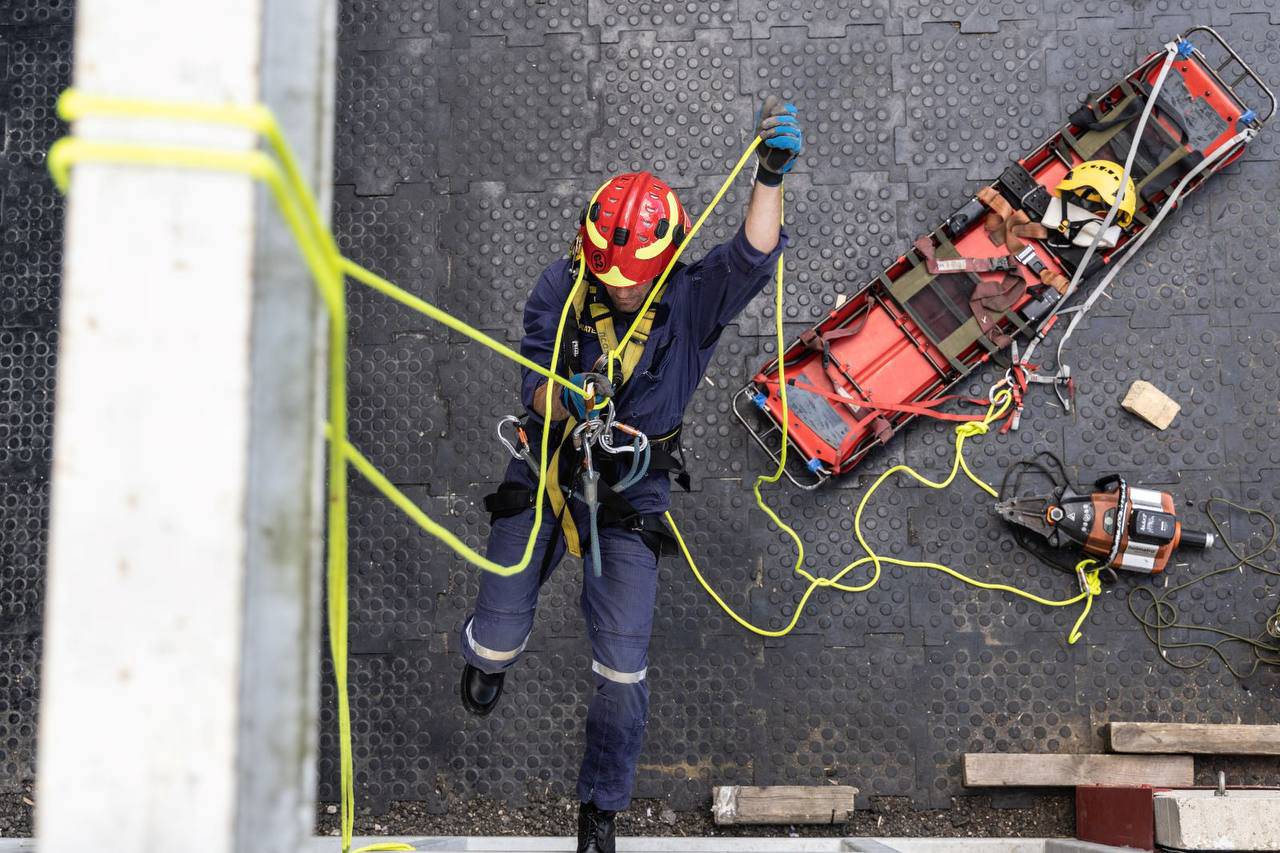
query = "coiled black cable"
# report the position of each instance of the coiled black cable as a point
(1161, 615)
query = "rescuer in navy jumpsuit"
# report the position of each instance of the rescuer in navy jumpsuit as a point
(699, 301)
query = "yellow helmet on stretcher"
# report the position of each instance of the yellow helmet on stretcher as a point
(1094, 185)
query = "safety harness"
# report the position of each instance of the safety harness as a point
(593, 316)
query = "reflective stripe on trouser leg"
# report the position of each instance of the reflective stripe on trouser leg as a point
(492, 654)
(618, 607)
(615, 676)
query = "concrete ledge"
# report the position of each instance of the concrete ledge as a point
(708, 845)
(1199, 820)
(1071, 845)
(702, 845)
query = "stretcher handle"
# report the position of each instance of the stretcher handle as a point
(747, 392)
(1246, 67)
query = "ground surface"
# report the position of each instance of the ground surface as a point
(972, 817)
(468, 137)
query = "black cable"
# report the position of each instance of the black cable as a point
(1011, 487)
(1161, 614)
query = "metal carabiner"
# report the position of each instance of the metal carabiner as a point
(1061, 382)
(641, 442)
(1062, 387)
(511, 448)
(1005, 382)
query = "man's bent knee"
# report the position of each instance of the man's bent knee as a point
(493, 642)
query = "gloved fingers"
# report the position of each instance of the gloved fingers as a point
(602, 386)
(772, 106)
(788, 138)
(575, 405)
(781, 137)
(574, 402)
(783, 120)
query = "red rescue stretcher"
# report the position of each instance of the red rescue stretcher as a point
(971, 287)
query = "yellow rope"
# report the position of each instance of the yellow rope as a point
(997, 409)
(999, 406)
(319, 250)
(671, 264)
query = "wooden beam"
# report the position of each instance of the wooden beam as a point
(1031, 769)
(823, 804)
(1210, 738)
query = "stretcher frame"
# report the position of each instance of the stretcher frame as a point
(896, 339)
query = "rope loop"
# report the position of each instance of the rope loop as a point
(972, 429)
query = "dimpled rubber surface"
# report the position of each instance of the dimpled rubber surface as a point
(519, 114)
(846, 86)
(962, 109)
(908, 107)
(468, 138)
(822, 18)
(35, 65)
(656, 98)
(392, 113)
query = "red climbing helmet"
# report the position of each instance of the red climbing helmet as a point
(631, 228)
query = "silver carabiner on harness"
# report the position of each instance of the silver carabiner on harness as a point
(511, 448)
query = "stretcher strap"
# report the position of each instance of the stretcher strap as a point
(1005, 226)
(839, 375)
(957, 264)
(1087, 145)
(991, 301)
(1163, 174)
(946, 346)
(1009, 227)
(927, 408)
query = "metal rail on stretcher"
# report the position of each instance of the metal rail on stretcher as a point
(917, 337)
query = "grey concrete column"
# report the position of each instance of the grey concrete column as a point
(181, 634)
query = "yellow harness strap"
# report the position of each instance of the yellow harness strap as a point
(601, 325)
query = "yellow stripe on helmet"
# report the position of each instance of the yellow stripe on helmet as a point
(660, 245)
(597, 239)
(614, 278)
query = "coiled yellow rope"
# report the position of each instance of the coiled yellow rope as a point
(998, 407)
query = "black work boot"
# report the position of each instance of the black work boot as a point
(480, 690)
(595, 830)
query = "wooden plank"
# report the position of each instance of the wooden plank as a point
(821, 804)
(1001, 769)
(1225, 739)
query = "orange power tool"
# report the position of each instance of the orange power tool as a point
(1122, 526)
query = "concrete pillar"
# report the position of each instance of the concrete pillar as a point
(1203, 820)
(181, 635)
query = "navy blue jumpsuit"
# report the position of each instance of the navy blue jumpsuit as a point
(700, 300)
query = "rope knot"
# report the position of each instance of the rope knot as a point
(972, 428)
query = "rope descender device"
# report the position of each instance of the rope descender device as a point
(588, 436)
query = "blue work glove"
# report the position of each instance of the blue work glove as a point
(576, 403)
(778, 127)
